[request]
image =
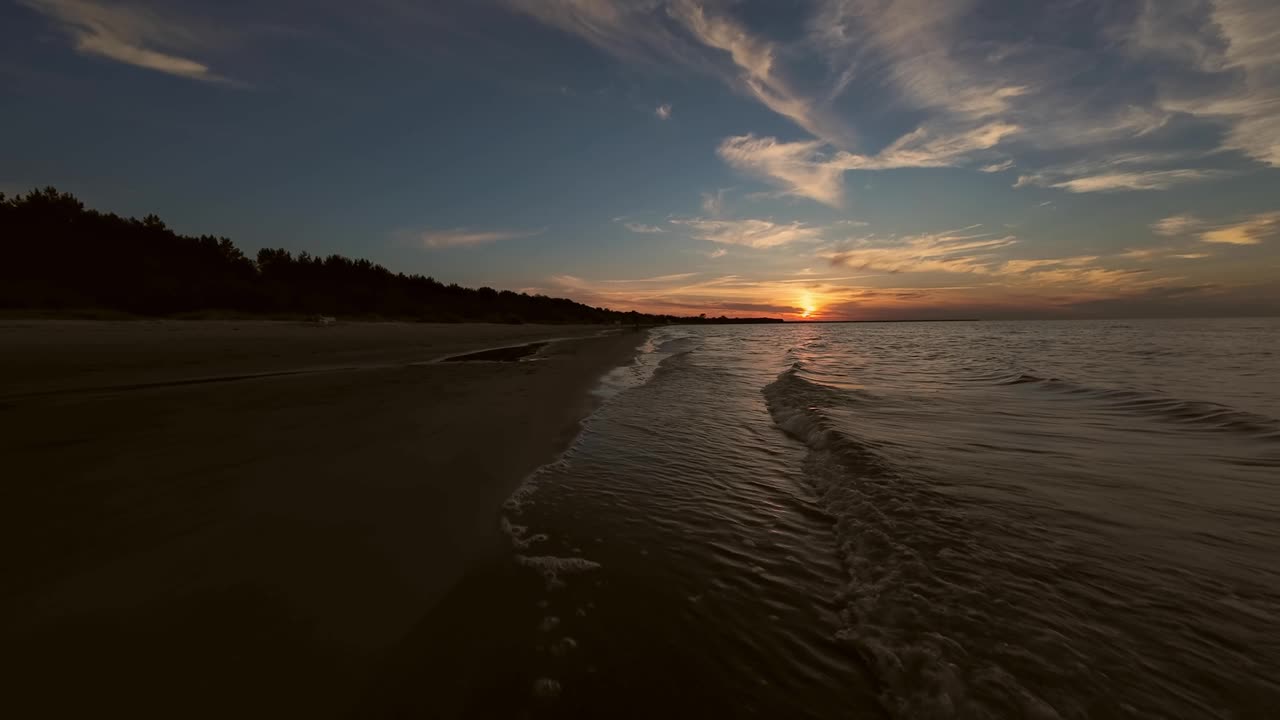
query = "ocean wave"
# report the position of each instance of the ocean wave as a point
(894, 530)
(794, 400)
(676, 344)
(1205, 415)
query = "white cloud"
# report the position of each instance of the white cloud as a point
(464, 237)
(964, 251)
(1119, 181)
(635, 31)
(751, 233)
(925, 147)
(675, 277)
(808, 169)
(1250, 231)
(1017, 267)
(713, 203)
(959, 250)
(983, 254)
(717, 253)
(915, 44)
(129, 35)
(1232, 56)
(758, 70)
(976, 88)
(1177, 225)
(955, 62)
(798, 168)
(642, 228)
(663, 111)
(645, 30)
(1143, 253)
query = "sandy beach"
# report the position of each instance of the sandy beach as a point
(248, 518)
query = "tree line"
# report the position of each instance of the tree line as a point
(58, 255)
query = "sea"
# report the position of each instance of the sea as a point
(1040, 519)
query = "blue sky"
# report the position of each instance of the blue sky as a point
(836, 158)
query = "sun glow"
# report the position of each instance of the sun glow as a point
(807, 305)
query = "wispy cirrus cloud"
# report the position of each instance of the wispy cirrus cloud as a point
(1120, 181)
(758, 72)
(969, 251)
(1221, 67)
(695, 35)
(674, 277)
(752, 233)
(961, 250)
(1160, 253)
(713, 202)
(133, 35)
(637, 31)
(973, 88)
(955, 62)
(1251, 230)
(1177, 225)
(462, 237)
(809, 169)
(798, 168)
(916, 46)
(925, 147)
(642, 229)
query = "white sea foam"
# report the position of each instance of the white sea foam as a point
(635, 374)
(659, 344)
(554, 568)
(517, 500)
(520, 540)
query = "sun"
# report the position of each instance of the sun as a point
(807, 305)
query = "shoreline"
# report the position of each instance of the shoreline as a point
(269, 540)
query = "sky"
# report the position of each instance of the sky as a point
(828, 159)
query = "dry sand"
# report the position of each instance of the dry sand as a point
(247, 518)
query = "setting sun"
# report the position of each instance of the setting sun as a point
(808, 305)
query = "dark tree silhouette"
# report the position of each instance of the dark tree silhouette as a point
(57, 255)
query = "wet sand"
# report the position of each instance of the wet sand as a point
(249, 518)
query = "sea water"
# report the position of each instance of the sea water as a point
(915, 520)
